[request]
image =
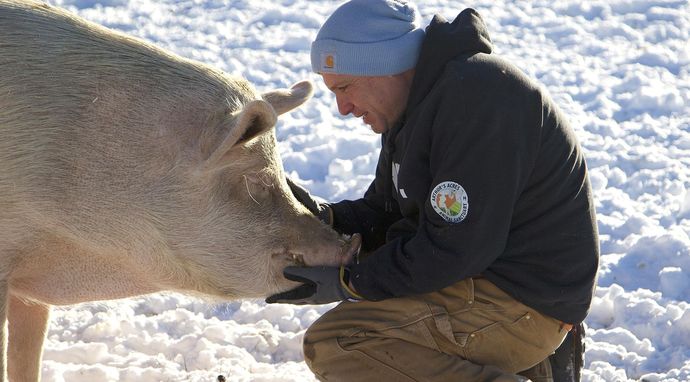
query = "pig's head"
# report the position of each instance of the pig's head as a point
(249, 226)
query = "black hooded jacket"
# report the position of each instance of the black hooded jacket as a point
(482, 176)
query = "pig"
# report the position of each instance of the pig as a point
(126, 169)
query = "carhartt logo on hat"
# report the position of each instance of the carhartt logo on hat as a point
(328, 60)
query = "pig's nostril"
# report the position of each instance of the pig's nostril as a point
(298, 259)
(289, 258)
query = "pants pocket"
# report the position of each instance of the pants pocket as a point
(444, 334)
(507, 344)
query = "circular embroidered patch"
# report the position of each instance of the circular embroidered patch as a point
(450, 201)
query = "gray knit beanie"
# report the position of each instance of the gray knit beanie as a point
(369, 38)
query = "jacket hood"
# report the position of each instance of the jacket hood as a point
(444, 41)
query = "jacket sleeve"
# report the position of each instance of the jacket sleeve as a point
(484, 138)
(367, 216)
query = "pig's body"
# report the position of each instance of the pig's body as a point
(127, 170)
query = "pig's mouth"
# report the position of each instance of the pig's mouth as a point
(349, 254)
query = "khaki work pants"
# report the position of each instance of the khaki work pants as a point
(470, 331)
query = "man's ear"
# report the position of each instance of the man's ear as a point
(284, 100)
(255, 118)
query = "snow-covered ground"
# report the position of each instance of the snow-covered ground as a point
(619, 68)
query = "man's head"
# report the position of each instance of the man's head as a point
(366, 52)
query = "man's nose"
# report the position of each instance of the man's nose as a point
(345, 107)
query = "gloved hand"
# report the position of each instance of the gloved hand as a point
(321, 210)
(321, 285)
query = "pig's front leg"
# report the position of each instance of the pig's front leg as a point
(27, 324)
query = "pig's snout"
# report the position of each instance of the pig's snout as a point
(339, 251)
(351, 252)
(333, 255)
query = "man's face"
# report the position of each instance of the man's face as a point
(380, 101)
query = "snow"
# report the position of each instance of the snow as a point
(620, 69)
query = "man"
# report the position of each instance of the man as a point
(480, 246)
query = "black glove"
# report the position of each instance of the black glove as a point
(321, 210)
(321, 285)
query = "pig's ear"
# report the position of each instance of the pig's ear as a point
(255, 118)
(284, 100)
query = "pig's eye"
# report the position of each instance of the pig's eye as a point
(259, 187)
